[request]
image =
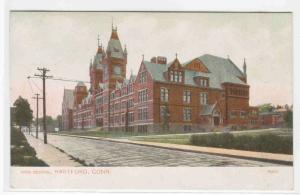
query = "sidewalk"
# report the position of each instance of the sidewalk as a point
(49, 154)
(251, 155)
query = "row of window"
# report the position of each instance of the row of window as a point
(143, 77)
(143, 114)
(143, 95)
(239, 92)
(164, 113)
(203, 82)
(122, 118)
(82, 115)
(176, 76)
(164, 96)
(127, 90)
(238, 114)
(124, 91)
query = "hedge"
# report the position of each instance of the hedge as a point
(261, 143)
(22, 154)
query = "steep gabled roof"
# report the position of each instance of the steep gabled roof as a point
(208, 109)
(221, 70)
(224, 68)
(155, 70)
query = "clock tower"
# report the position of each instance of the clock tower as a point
(115, 61)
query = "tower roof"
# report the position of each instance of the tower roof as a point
(114, 34)
(114, 47)
(80, 84)
(99, 55)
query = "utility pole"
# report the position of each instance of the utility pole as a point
(44, 76)
(37, 114)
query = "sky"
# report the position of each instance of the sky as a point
(64, 42)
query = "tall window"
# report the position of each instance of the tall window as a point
(176, 76)
(143, 77)
(187, 96)
(130, 117)
(203, 98)
(130, 103)
(187, 114)
(143, 95)
(164, 94)
(163, 112)
(130, 88)
(142, 114)
(203, 83)
(243, 114)
(180, 77)
(171, 75)
(233, 114)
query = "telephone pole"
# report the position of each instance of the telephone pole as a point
(44, 76)
(37, 114)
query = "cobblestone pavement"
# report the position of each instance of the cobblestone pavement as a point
(105, 153)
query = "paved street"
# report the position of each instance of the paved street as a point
(105, 153)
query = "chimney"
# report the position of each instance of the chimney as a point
(153, 60)
(161, 60)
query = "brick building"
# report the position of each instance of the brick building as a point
(273, 118)
(204, 93)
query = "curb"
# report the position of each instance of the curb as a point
(150, 144)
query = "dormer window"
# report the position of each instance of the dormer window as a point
(176, 76)
(180, 77)
(202, 81)
(171, 76)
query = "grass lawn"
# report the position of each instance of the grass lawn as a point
(111, 134)
(173, 139)
(22, 154)
(256, 140)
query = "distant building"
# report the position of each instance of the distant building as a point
(67, 109)
(274, 118)
(204, 93)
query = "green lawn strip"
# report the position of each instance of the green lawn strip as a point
(107, 134)
(22, 154)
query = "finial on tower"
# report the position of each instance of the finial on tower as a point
(98, 40)
(176, 54)
(143, 57)
(245, 69)
(125, 49)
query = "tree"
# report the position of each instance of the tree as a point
(12, 116)
(266, 108)
(59, 122)
(288, 118)
(22, 115)
(49, 121)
